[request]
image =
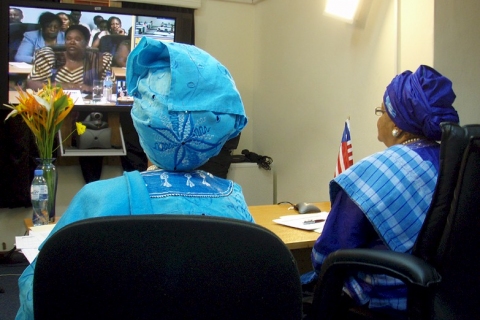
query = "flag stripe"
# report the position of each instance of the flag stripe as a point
(345, 154)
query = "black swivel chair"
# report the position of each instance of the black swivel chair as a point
(110, 43)
(442, 273)
(165, 267)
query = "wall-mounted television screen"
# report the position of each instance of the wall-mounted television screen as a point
(39, 50)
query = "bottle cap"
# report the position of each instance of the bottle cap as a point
(38, 172)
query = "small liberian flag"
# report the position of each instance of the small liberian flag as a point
(345, 155)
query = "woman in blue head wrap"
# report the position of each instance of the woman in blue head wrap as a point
(381, 201)
(186, 106)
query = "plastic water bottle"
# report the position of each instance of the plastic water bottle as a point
(39, 196)
(107, 86)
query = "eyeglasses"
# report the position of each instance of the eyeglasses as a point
(379, 112)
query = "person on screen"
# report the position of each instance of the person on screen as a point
(74, 68)
(393, 187)
(48, 35)
(75, 16)
(180, 127)
(66, 21)
(15, 15)
(100, 25)
(96, 21)
(114, 26)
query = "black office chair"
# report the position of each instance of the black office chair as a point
(165, 267)
(442, 273)
(110, 43)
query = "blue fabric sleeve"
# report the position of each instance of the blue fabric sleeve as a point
(100, 198)
(32, 41)
(27, 47)
(346, 227)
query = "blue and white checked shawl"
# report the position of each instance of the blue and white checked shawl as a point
(394, 189)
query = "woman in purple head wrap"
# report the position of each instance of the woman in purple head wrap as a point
(417, 103)
(381, 201)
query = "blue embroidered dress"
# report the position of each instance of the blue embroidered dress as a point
(135, 193)
(380, 203)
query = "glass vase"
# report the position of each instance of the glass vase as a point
(50, 175)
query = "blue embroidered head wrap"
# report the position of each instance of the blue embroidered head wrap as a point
(418, 102)
(186, 105)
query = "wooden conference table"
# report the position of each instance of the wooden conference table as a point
(26, 69)
(264, 215)
(294, 238)
(298, 241)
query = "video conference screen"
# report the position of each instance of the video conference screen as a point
(31, 28)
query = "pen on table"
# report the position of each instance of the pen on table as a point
(313, 221)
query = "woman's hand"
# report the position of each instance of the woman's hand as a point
(35, 84)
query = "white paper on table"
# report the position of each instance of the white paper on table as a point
(30, 254)
(28, 245)
(28, 242)
(319, 230)
(298, 220)
(43, 229)
(23, 65)
(306, 216)
(76, 96)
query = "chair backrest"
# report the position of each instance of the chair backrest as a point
(110, 43)
(441, 241)
(459, 248)
(455, 140)
(165, 267)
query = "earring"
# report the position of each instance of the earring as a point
(395, 132)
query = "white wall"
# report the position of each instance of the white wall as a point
(416, 30)
(457, 52)
(226, 30)
(312, 72)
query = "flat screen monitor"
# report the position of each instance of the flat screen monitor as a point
(160, 28)
(23, 25)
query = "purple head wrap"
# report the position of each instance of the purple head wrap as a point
(418, 102)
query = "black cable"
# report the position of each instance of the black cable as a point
(282, 202)
(263, 162)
